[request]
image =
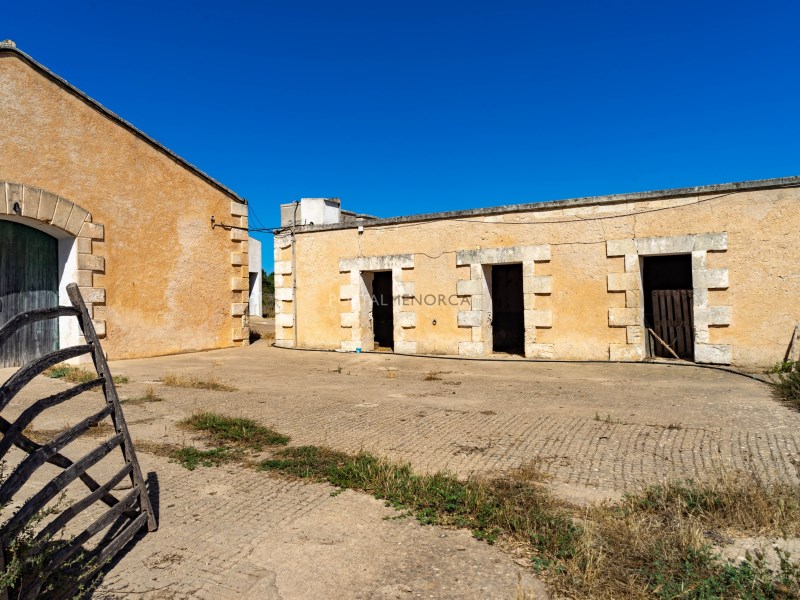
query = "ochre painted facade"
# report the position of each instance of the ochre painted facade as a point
(159, 278)
(583, 297)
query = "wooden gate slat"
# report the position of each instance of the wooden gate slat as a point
(134, 506)
(68, 514)
(26, 374)
(29, 414)
(36, 459)
(674, 322)
(33, 316)
(58, 483)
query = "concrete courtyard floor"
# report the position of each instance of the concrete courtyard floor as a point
(598, 428)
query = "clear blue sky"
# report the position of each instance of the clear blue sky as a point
(409, 107)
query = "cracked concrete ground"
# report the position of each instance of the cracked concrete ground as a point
(598, 428)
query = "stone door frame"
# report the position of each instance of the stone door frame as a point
(354, 322)
(631, 317)
(79, 242)
(478, 289)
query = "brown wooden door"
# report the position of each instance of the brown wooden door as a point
(674, 323)
(28, 280)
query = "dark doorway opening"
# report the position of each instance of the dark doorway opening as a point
(28, 280)
(382, 310)
(508, 322)
(668, 302)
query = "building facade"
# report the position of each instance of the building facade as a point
(708, 273)
(158, 248)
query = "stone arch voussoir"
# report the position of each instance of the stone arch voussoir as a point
(29, 202)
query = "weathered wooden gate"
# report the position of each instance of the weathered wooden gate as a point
(673, 323)
(123, 518)
(28, 280)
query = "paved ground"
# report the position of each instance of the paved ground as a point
(598, 428)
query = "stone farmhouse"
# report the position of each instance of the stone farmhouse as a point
(709, 274)
(159, 249)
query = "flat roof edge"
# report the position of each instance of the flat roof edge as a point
(741, 186)
(12, 50)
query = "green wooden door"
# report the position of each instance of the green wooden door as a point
(28, 279)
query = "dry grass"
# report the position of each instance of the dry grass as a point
(433, 376)
(654, 544)
(196, 383)
(148, 396)
(391, 374)
(77, 374)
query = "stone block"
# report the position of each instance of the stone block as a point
(535, 253)
(403, 289)
(407, 320)
(346, 292)
(538, 318)
(624, 352)
(350, 345)
(541, 351)
(469, 318)
(631, 263)
(284, 293)
(528, 301)
(84, 279)
(633, 299)
(61, 215)
(404, 347)
(468, 287)
(99, 328)
(476, 302)
(238, 259)
(3, 201)
(715, 354)
(284, 343)
(681, 244)
(622, 317)
(240, 284)
(620, 247)
(470, 348)
(348, 319)
(91, 262)
(633, 334)
(542, 284)
(239, 334)
(710, 241)
(93, 295)
(623, 282)
(283, 267)
(93, 231)
(30, 202)
(712, 316)
(476, 272)
(238, 309)
(13, 194)
(238, 235)
(84, 245)
(712, 279)
(238, 209)
(284, 320)
(698, 260)
(477, 334)
(47, 206)
(76, 219)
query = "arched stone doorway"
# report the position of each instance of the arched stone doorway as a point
(42, 236)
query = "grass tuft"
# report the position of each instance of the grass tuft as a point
(148, 396)
(652, 544)
(237, 431)
(433, 376)
(788, 386)
(191, 458)
(197, 383)
(78, 375)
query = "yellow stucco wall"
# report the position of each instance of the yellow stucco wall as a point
(762, 257)
(167, 275)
